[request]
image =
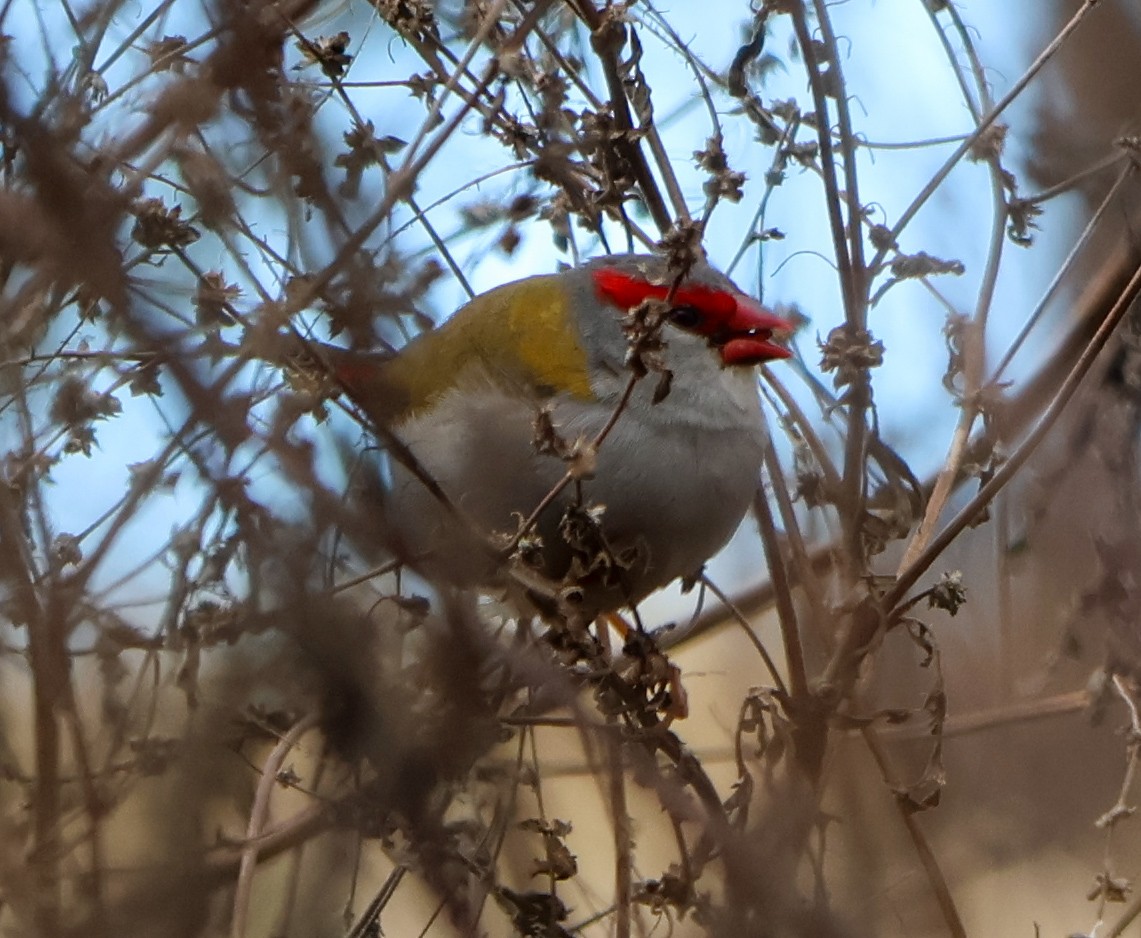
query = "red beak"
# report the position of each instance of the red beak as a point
(750, 330)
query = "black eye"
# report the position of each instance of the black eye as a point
(686, 317)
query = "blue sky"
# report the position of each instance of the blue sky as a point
(902, 90)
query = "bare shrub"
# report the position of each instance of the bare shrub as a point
(228, 705)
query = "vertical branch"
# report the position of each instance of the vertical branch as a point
(974, 354)
(49, 665)
(93, 803)
(46, 663)
(782, 591)
(836, 222)
(620, 815)
(974, 333)
(801, 561)
(620, 812)
(857, 312)
(606, 40)
(847, 245)
(811, 732)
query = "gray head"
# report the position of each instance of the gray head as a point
(711, 325)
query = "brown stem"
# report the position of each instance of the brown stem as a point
(621, 111)
(620, 818)
(919, 840)
(258, 814)
(49, 663)
(782, 590)
(853, 494)
(1018, 458)
(746, 627)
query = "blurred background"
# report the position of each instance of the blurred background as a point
(912, 675)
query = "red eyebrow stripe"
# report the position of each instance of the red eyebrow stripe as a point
(707, 299)
(626, 292)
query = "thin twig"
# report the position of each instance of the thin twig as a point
(1066, 267)
(919, 840)
(372, 911)
(786, 611)
(619, 818)
(1121, 810)
(736, 616)
(991, 116)
(1008, 469)
(258, 814)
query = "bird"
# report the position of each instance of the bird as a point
(495, 416)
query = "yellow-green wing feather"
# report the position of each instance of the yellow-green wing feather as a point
(519, 335)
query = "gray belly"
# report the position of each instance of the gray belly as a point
(670, 494)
